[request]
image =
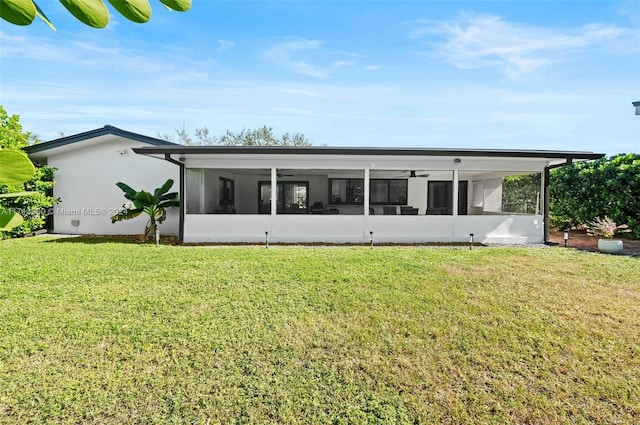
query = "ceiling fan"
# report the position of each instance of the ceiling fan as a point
(279, 175)
(413, 174)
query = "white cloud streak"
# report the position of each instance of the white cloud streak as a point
(489, 41)
(304, 56)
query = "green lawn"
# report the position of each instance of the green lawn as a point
(109, 332)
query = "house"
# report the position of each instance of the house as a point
(301, 194)
(88, 167)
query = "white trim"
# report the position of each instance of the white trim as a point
(456, 189)
(274, 191)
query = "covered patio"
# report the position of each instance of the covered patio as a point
(340, 195)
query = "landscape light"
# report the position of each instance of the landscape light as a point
(470, 240)
(565, 236)
(266, 239)
(371, 239)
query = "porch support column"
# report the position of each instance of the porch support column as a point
(181, 194)
(274, 190)
(456, 189)
(366, 191)
(545, 203)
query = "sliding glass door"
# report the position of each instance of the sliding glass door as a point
(292, 197)
(440, 198)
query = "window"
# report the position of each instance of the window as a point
(381, 191)
(227, 195)
(388, 191)
(440, 198)
(346, 191)
(292, 197)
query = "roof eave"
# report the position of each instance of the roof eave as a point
(323, 150)
(107, 129)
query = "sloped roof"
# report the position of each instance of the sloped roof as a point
(106, 130)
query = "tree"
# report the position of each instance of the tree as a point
(521, 194)
(15, 168)
(91, 12)
(154, 205)
(25, 201)
(259, 137)
(584, 191)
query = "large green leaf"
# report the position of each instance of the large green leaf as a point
(129, 192)
(168, 204)
(146, 198)
(169, 196)
(134, 10)
(163, 189)
(19, 12)
(42, 16)
(179, 5)
(91, 12)
(16, 194)
(15, 167)
(9, 219)
(126, 215)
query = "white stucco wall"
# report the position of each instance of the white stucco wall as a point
(356, 229)
(493, 195)
(86, 183)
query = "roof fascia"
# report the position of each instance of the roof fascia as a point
(323, 150)
(107, 129)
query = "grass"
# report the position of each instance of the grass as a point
(110, 332)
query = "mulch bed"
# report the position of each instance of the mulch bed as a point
(581, 240)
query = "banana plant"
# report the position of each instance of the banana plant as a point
(153, 204)
(15, 168)
(90, 12)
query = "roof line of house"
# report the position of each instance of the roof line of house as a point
(327, 150)
(107, 129)
(163, 147)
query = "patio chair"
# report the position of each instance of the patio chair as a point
(317, 208)
(389, 210)
(408, 211)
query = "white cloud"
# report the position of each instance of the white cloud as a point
(488, 41)
(224, 45)
(308, 57)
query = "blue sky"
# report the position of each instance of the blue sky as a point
(498, 74)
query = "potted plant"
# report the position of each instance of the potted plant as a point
(607, 229)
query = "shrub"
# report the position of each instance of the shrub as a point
(584, 191)
(36, 207)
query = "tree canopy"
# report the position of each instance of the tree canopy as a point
(584, 191)
(90, 12)
(246, 137)
(24, 190)
(11, 134)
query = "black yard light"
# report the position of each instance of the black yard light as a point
(565, 236)
(470, 240)
(266, 239)
(371, 238)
